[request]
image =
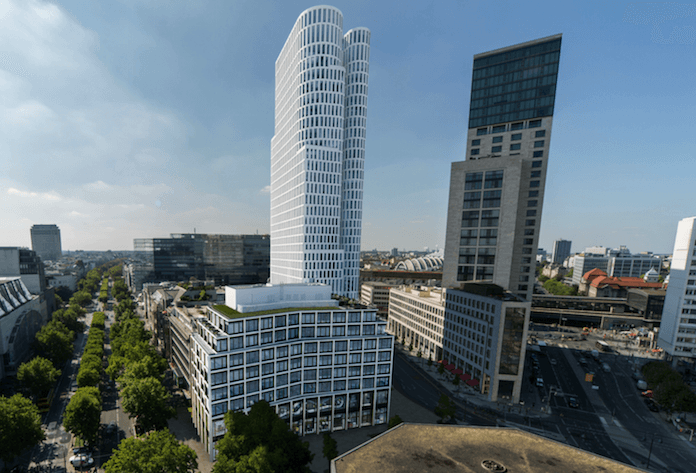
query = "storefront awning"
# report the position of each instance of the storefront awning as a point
(458, 371)
(473, 382)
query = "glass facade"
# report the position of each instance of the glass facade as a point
(519, 84)
(512, 341)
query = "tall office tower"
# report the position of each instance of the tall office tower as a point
(45, 241)
(318, 153)
(678, 326)
(496, 195)
(561, 250)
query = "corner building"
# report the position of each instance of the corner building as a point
(322, 366)
(318, 153)
(496, 195)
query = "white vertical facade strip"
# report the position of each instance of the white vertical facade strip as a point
(318, 151)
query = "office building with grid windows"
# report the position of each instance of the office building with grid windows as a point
(496, 195)
(318, 153)
(322, 366)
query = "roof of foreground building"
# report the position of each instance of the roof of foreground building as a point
(451, 448)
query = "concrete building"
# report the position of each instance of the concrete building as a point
(496, 195)
(225, 259)
(376, 294)
(324, 367)
(417, 316)
(22, 314)
(318, 153)
(678, 327)
(466, 449)
(633, 265)
(45, 241)
(26, 264)
(561, 250)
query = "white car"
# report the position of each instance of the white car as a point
(81, 460)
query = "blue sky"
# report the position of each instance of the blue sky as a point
(129, 119)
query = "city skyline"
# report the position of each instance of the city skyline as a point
(125, 121)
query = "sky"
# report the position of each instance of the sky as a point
(128, 119)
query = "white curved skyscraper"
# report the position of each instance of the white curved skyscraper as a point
(318, 152)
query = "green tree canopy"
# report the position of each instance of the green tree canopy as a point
(262, 439)
(394, 421)
(445, 408)
(83, 413)
(160, 451)
(81, 298)
(148, 401)
(38, 375)
(20, 426)
(55, 342)
(330, 447)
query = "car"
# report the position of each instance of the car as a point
(652, 405)
(80, 451)
(81, 460)
(572, 402)
(553, 361)
(540, 382)
(111, 428)
(648, 393)
(583, 361)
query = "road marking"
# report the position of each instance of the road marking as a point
(604, 422)
(616, 421)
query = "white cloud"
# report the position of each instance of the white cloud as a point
(266, 190)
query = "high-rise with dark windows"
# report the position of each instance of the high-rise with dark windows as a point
(496, 195)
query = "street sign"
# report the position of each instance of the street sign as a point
(589, 377)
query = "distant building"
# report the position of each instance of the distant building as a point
(395, 252)
(633, 265)
(678, 328)
(45, 241)
(648, 302)
(598, 284)
(496, 195)
(586, 262)
(22, 314)
(26, 264)
(225, 259)
(457, 448)
(561, 250)
(376, 294)
(430, 262)
(417, 315)
(322, 366)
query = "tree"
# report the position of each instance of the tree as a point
(81, 298)
(445, 408)
(38, 375)
(430, 360)
(456, 380)
(419, 354)
(441, 369)
(20, 426)
(330, 448)
(83, 413)
(263, 440)
(158, 451)
(394, 421)
(55, 342)
(148, 401)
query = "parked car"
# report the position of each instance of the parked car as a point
(82, 460)
(540, 382)
(111, 428)
(572, 402)
(652, 405)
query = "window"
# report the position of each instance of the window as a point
(281, 352)
(470, 218)
(310, 361)
(342, 345)
(489, 218)
(280, 321)
(236, 343)
(515, 146)
(218, 378)
(222, 345)
(308, 318)
(325, 386)
(293, 319)
(517, 126)
(353, 330)
(236, 375)
(475, 151)
(267, 383)
(310, 347)
(266, 323)
(252, 340)
(534, 183)
(536, 164)
(252, 371)
(236, 390)
(539, 144)
(370, 344)
(497, 149)
(355, 357)
(530, 222)
(497, 139)
(527, 241)
(252, 325)
(482, 131)
(356, 345)
(235, 327)
(293, 333)
(385, 343)
(369, 329)
(533, 193)
(498, 128)
(282, 393)
(307, 332)
(384, 356)
(354, 317)
(236, 360)
(217, 394)
(339, 331)
(325, 373)
(538, 154)
(266, 368)
(536, 174)
(369, 370)
(534, 123)
(219, 362)
(491, 199)
(522, 287)
(475, 142)
(531, 213)
(282, 366)
(266, 338)
(280, 335)
(324, 332)
(532, 203)
(370, 357)
(340, 359)
(219, 409)
(325, 360)
(295, 376)
(339, 317)
(528, 231)
(383, 369)
(339, 385)
(252, 357)
(310, 388)
(516, 137)
(540, 134)
(252, 386)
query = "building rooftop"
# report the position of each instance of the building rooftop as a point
(230, 313)
(423, 447)
(488, 290)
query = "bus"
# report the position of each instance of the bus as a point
(603, 346)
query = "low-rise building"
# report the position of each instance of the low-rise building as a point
(324, 367)
(22, 314)
(377, 294)
(417, 317)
